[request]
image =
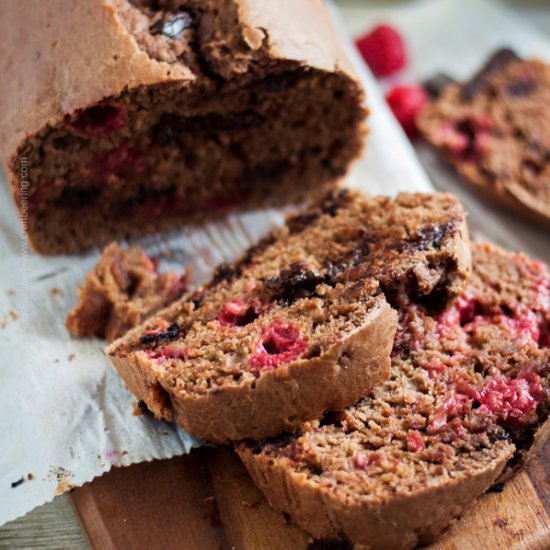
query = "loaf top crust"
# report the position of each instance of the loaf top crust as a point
(55, 60)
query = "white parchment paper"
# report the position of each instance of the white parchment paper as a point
(65, 416)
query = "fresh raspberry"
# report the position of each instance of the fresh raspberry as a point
(383, 49)
(405, 102)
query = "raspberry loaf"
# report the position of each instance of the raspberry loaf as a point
(302, 323)
(123, 289)
(494, 129)
(466, 405)
(169, 112)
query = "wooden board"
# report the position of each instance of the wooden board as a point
(207, 501)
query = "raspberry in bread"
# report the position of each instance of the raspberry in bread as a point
(302, 323)
(494, 129)
(122, 290)
(153, 114)
(466, 405)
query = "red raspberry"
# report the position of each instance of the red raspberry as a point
(405, 102)
(383, 49)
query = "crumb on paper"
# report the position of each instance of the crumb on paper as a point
(15, 484)
(13, 315)
(71, 356)
(30, 476)
(140, 408)
(10, 292)
(63, 478)
(56, 292)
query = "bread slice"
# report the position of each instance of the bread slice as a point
(123, 289)
(466, 405)
(493, 129)
(302, 323)
(169, 112)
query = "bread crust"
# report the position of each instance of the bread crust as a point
(399, 523)
(281, 398)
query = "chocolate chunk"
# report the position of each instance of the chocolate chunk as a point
(171, 333)
(225, 272)
(163, 133)
(293, 284)
(296, 224)
(267, 170)
(72, 197)
(355, 257)
(521, 88)
(282, 81)
(497, 488)
(498, 61)
(433, 236)
(335, 202)
(435, 85)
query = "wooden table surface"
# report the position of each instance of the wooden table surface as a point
(54, 526)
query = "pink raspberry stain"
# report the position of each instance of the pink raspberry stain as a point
(100, 120)
(415, 442)
(280, 343)
(167, 352)
(512, 400)
(362, 461)
(238, 313)
(121, 161)
(523, 327)
(466, 139)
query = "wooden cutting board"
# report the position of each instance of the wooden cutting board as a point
(206, 500)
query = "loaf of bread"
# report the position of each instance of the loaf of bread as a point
(303, 323)
(466, 405)
(132, 116)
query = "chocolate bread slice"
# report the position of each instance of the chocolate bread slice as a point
(494, 129)
(302, 323)
(123, 289)
(143, 115)
(466, 405)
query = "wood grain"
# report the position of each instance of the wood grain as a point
(207, 501)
